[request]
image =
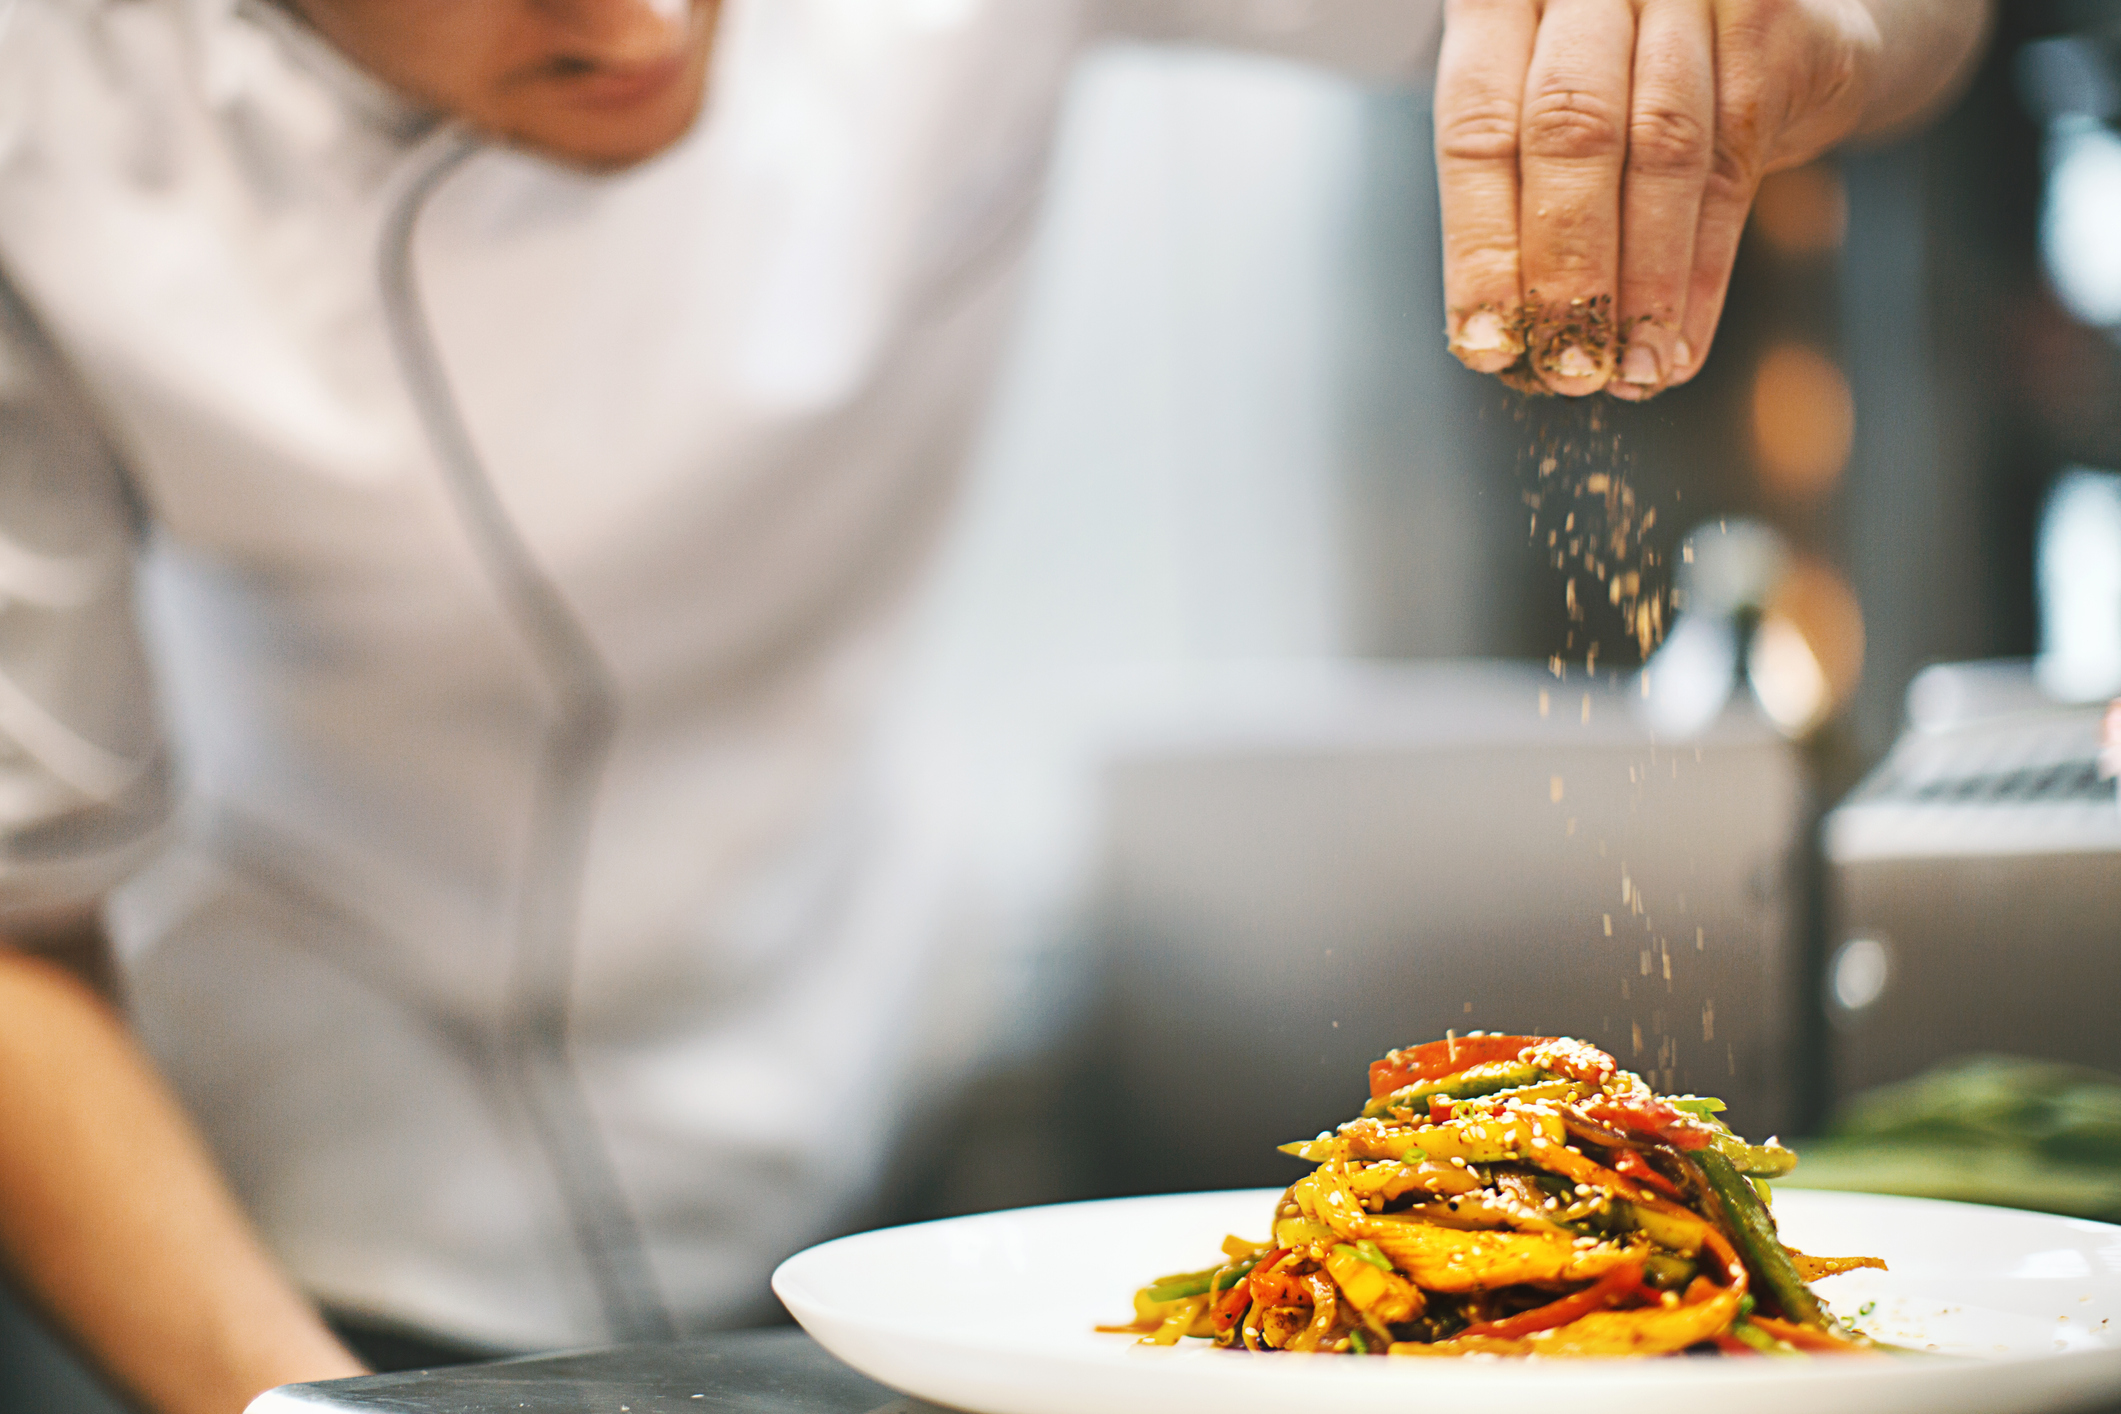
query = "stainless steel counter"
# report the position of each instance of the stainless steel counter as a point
(750, 1372)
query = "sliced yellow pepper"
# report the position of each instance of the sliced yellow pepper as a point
(1452, 1259)
(1390, 1180)
(1385, 1295)
(1180, 1318)
(1489, 1139)
(1654, 1330)
(1301, 1232)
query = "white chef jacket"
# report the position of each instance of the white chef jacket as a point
(519, 557)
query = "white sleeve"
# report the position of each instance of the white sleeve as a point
(84, 788)
(1389, 40)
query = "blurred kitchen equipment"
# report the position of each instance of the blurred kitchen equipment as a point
(1315, 867)
(2080, 587)
(1976, 885)
(2069, 83)
(1754, 611)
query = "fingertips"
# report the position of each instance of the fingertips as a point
(1488, 340)
(1639, 375)
(1664, 358)
(1572, 343)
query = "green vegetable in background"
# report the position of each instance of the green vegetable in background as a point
(2062, 1112)
(1985, 1129)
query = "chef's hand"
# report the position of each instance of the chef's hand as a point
(1597, 159)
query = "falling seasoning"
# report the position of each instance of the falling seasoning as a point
(1593, 527)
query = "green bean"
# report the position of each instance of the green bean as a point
(1752, 1230)
(1755, 1160)
(1373, 1254)
(1465, 1085)
(1665, 1271)
(1178, 1288)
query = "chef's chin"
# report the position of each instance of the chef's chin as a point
(608, 118)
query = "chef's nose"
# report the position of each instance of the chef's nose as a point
(620, 31)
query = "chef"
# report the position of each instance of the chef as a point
(463, 469)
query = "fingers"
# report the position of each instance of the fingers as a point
(1735, 169)
(1597, 160)
(1574, 151)
(1671, 144)
(1723, 212)
(1480, 88)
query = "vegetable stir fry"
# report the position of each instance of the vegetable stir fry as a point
(1515, 1196)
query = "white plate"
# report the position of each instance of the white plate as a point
(994, 1314)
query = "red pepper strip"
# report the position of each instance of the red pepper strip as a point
(1732, 1345)
(1609, 1290)
(1440, 1109)
(1267, 1287)
(1805, 1337)
(1733, 1268)
(1582, 1170)
(1578, 1060)
(1437, 1059)
(1646, 1114)
(1230, 1306)
(1701, 1289)
(1635, 1166)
